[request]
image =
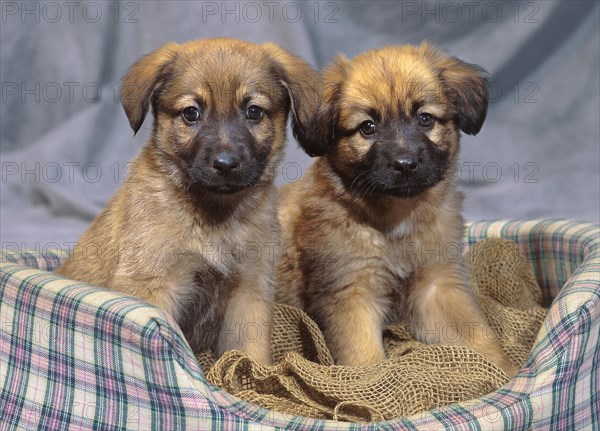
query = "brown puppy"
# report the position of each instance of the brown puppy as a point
(373, 232)
(194, 227)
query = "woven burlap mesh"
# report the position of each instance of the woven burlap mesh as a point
(414, 378)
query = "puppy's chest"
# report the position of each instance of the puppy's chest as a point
(390, 256)
(394, 261)
(393, 265)
(203, 280)
(227, 250)
(202, 320)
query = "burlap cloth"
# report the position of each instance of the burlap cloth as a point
(415, 377)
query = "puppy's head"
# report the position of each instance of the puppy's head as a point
(390, 119)
(220, 109)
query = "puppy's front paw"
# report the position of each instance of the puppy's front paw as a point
(358, 355)
(261, 354)
(247, 327)
(357, 350)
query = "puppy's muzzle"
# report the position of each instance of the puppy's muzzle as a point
(406, 170)
(406, 164)
(225, 162)
(224, 169)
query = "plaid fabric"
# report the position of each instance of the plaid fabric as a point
(78, 356)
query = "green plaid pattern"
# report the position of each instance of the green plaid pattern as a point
(78, 356)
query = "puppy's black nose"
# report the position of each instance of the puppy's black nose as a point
(406, 165)
(225, 162)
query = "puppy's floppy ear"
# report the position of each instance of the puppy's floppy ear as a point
(466, 86)
(141, 80)
(304, 87)
(325, 123)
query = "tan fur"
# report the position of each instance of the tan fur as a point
(207, 258)
(357, 259)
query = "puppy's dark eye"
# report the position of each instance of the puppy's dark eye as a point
(368, 128)
(254, 112)
(191, 114)
(425, 119)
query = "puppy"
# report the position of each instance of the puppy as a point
(194, 227)
(373, 232)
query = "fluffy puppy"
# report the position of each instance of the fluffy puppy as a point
(373, 232)
(194, 227)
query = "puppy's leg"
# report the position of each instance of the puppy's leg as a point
(169, 290)
(248, 319)
(150, 289)
(445, 311)
(352, 323)
(289, 279)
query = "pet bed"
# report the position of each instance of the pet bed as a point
(79, 356)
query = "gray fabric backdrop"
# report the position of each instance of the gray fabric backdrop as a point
(65, 140)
